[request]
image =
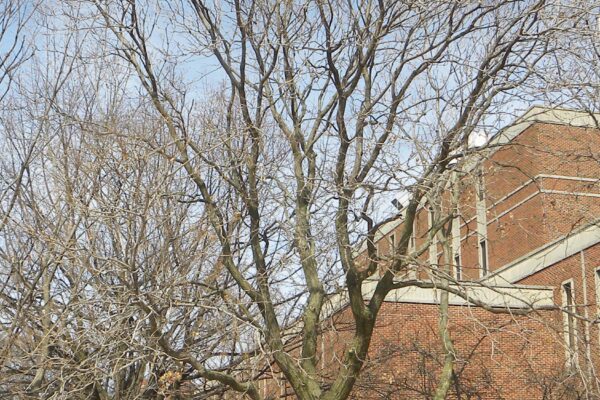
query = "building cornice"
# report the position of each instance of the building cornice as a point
(547, 255)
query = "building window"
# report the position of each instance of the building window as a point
(482, 225)
(570, 327)
(456, 248)
(597, 286)
(457, 267)
(598, 292)
(483, 257)
(433, 247)
(412, 270)
(323, 351)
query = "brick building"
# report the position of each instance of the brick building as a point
(527, 239)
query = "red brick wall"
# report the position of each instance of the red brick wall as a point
(527, 218)
(580, 268)
(498, 356)
(545, 149)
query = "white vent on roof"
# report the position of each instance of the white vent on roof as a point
(478, 139)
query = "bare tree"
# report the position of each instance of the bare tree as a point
(340, 79)
(213, 171)
(14, 52)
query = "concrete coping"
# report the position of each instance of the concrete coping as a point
(516, 297)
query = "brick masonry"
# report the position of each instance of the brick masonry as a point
(538, 188)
